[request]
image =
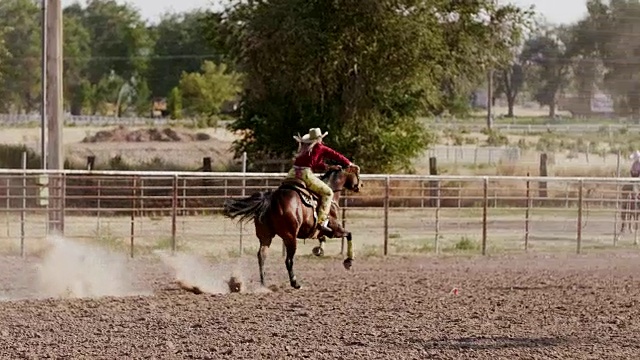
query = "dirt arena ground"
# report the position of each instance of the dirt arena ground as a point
(534, 306)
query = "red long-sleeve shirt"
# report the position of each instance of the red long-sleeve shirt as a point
(315, 160)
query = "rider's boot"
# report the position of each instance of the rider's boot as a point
(324, 226)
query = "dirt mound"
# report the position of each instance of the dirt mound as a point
(123, 134)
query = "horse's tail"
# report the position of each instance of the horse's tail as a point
(254, 206)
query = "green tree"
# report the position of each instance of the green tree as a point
(120, 40)
(509, 81)
(4, 56)
(180, 46)
(141, 99)
(20, 90)
(363, 70)
(77, 46)
(550, 55)
(174, 103)
(204, 93)
(588, 72)
(106, 93)
(610, 32)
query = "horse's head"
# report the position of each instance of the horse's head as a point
(339, 179)
(352, 179)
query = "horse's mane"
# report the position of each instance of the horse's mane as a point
(327, 175)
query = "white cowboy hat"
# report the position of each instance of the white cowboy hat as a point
(314, 134)
(635, 155)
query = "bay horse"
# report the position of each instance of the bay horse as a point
(630, 208)
(290, 212)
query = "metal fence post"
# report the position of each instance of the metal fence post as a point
(24, 203)
(244, 185)
(98, 206)
(615, 215)
(142, 199)
(132, 225)
(174, 213)
(618, 190)
(580, 204)
(63, 201)
(8, 206)
(526, 216)
(437, 225)
(485, 205)
(184, 213)
(344, 222)
(386, 214)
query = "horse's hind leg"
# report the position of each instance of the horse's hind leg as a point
(262, 256)
(266, 236)
(290, 244)
(348, 262)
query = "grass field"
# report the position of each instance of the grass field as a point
(571, 154)
(410, 231)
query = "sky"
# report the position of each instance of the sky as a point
(555, 11)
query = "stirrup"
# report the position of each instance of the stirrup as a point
(324, 228)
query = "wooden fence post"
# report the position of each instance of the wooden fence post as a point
(433, 184)
(386, 214)
(579, 230)
(485, 205)
(437, 220)
(526, 216)
(206, 164)
(174, 213)
(91, 162)
(543, 172)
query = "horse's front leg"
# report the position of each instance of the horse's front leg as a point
(348, 262)
(339, 232)
(322, 239)
(319, 250)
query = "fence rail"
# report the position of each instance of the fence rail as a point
(572, 127)
(146, 211)
(82, 120)
(472, 125)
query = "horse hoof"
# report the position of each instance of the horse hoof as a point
(347, 263)
(295, 285)
(318, 251)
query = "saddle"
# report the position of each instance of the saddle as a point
(308, 198)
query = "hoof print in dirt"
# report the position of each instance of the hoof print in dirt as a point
(235, 285)
(190, 288)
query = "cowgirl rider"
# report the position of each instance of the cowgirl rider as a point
(310, 158)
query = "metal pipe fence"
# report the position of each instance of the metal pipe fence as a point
(140, 212)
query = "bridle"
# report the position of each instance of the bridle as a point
(340, 169)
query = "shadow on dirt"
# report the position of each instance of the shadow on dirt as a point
(488, 343)
(539, 288)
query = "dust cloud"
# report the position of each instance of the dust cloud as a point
(193, 270)
(76, 270)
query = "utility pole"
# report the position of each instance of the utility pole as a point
(55, 120)
(490, 79)
(489, 99)
(43, 106)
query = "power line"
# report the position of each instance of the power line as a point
(125, 58)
